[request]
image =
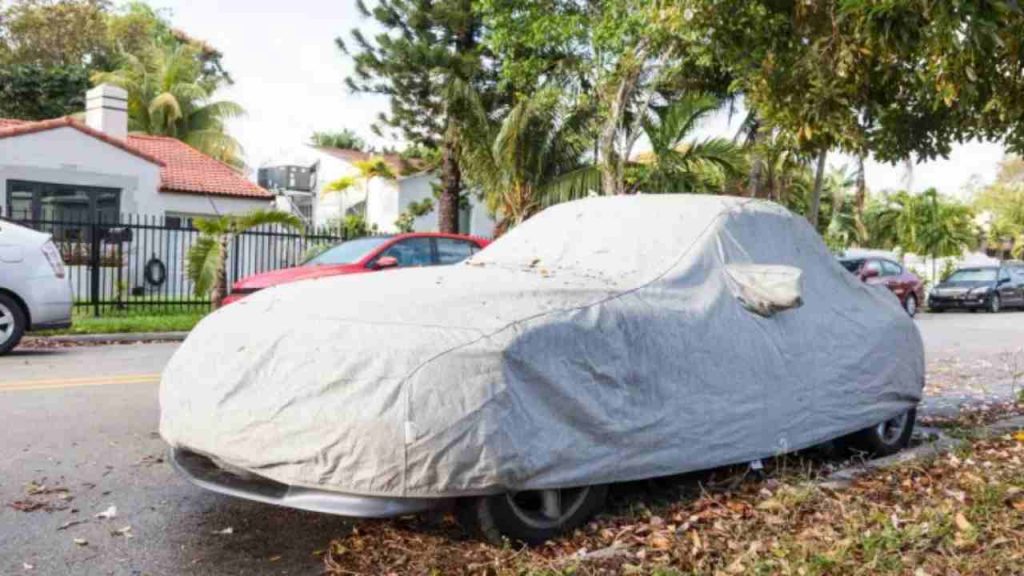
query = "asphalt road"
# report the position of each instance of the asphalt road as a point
(85, 420)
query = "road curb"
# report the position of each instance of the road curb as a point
(122, 338)
(938, 444)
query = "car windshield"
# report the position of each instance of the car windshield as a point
(973, 275)
(852, 265)
(347, 252)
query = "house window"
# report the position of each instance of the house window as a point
(67, 208)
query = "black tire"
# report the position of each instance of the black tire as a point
(886, 438)
(495, 518)
(13, 323)
(910, 305)
(995, 304)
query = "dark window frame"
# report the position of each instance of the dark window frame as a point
(38, 188)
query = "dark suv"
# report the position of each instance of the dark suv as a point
(980, 288)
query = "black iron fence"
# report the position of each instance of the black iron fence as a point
(141, 261)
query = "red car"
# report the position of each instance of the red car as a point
(905, 285)
(368, 254)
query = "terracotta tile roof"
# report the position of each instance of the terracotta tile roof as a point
(190, 171)
(182, 168)
(398, 165)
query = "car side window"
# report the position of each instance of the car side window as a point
(1004, 274)
(451, 251)
(411, 252)
(871, 265)
(891, 268)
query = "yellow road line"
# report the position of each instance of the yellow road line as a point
(57, 383)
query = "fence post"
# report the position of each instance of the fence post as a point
(94, 266)
(235, 260)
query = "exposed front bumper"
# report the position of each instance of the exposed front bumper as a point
(205, 473)
(965, 302)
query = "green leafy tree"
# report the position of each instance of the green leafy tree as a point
(677, 165)
(49, 49)
(345, 139)
(423, 47)
(53, 33)
(620, 56)
(368, 169)
(519, 158)
(1003, 201)
(168, 96)
(207, 258)
(36, 92)
(414, 210)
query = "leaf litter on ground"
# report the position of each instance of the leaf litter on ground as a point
(957, 513)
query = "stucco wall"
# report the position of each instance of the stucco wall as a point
(198, 204)
(67, 156)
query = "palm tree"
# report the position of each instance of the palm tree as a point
(168, 96)
(207, 258)
(675, 165)
(524, 159)
(369, 168)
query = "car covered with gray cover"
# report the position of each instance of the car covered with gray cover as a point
(604, 340)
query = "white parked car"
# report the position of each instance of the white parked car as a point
(34, 291)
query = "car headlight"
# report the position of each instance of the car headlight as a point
(53, 257)
(979, 291)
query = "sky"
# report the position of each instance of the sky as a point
(289, 76)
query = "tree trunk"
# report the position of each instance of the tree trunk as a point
(608, 162)
(220, 282)
(754, 177)
(859, 200)
(819, 181)
(451, 184)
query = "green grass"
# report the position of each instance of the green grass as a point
(113, 322)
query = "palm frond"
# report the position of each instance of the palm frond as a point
(203, 259)
(258, 218)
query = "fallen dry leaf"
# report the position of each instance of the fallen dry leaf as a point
(961, 522)
(107, 514)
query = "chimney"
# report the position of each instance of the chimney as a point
(106, 110)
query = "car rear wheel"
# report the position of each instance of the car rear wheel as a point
(12, 323)
(887, 437)
(910, 305)
(532, 516)
(995, 304)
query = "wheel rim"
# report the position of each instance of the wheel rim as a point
(891, 430)
(547, 508)
(6, 324)
(911, 305)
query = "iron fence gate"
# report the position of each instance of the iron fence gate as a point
(141, 261)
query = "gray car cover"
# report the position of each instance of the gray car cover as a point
(604, 340)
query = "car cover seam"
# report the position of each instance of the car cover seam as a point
(405, 380)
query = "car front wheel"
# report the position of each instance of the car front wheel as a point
(532, 516)
(887, 437)
(910, 305)
(12, 323)
(995, 304)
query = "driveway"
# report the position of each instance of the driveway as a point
(81, 436)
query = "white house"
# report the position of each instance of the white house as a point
(64, 169)
(302, 176)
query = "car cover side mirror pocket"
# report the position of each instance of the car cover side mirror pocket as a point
(765, 289)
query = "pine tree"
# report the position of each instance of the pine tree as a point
(423, 47)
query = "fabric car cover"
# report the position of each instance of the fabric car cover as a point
(604, 340)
